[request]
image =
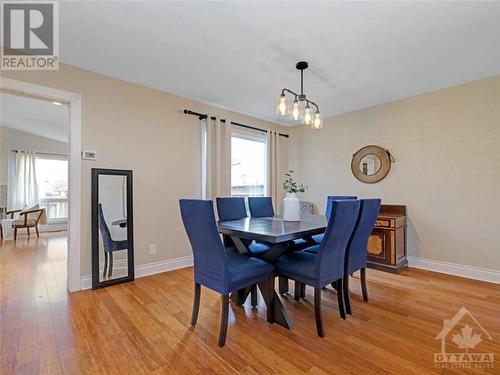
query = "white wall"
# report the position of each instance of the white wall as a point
(447, 171)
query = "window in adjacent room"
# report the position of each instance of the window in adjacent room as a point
(52, 180)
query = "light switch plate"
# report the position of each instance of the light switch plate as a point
(89, 155)
(152, 248)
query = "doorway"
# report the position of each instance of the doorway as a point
(53, 152)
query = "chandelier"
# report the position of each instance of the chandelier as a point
(301, 107)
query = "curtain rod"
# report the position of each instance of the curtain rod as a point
(202, 116)
(43, 153)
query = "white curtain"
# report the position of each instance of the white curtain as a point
(25, 185)
(274, 168)
(216, 163)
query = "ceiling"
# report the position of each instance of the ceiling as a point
(34, 116)
(240, 55)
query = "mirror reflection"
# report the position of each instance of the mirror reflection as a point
(112, 220)
(369, 164)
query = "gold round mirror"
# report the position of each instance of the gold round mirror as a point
(371, 164)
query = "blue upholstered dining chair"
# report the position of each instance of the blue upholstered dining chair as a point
(260, 206)
(109, 244)
(356, 249)
(329, 200)
(233, 208)
(215, 267)
(327, 265)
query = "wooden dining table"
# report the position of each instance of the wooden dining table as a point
(280, 234)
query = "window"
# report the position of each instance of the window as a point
(52, 180)
(248, 164)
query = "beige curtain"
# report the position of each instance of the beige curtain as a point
(274, 169)
(216, 165)
(25, 185)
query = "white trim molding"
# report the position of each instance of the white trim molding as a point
(469, 272)
(149, 269)
(75, 166)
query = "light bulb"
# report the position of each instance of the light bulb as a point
(308, 115)
(318, 121)
(281, 107)
(295, 110)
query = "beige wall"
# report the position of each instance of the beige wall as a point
(447, 170)
(134, 127)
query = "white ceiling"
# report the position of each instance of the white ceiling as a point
(34, 116)
(240, 55)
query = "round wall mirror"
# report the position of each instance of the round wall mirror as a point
(371, 164)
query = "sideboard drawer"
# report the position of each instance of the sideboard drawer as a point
(384, 223)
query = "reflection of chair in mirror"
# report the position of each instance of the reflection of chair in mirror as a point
(109, 244)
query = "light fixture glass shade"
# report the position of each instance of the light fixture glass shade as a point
(295, 110)
(308, 115)
(281, 105)
(318, 121)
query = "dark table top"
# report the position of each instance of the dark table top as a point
(273, 229)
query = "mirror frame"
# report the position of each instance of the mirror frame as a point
(96, 172)
(385, 164)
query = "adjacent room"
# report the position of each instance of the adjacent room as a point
(249, 187)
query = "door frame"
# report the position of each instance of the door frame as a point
(74, 101)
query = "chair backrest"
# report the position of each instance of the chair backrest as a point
(331, 198)
(356, 248)
(260, 206)
(103, 227)
(332, 249)
(231, 208)
(209, 254)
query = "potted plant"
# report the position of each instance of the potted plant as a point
(291, 203)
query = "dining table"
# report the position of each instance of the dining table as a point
(280, 235)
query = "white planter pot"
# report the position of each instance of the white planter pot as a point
(291, 207)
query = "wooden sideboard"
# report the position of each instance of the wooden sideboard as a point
(387, 243)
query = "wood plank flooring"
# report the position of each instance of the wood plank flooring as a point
(143, 327)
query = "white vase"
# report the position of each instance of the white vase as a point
(291, 207)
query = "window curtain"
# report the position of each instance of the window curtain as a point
(25, 185)
(216, 158)
(274, 170)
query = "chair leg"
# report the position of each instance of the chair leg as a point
(317, 312)
(28, 229)
(347, 296)
(37, 232)
(340, 298)
(303, 291)
(106, 255)
(297, 293)
(110, 266)
(1, 232)
(196, 303)
(223, 319)
(283, 284)
(364, 289)
(253, 295)
(15, 234)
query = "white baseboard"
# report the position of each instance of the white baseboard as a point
(469, 272)
(148, 269)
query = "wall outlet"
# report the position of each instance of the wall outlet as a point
(152, 248)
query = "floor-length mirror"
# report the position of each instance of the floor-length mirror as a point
(112, 227)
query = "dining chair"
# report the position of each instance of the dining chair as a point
(29, 218)
(356, 249)
(216, 268)
(329, 200)
(260, 206)
(327, 265)
(233, 208)
(109, 244)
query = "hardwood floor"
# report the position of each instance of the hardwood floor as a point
(143, 327)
